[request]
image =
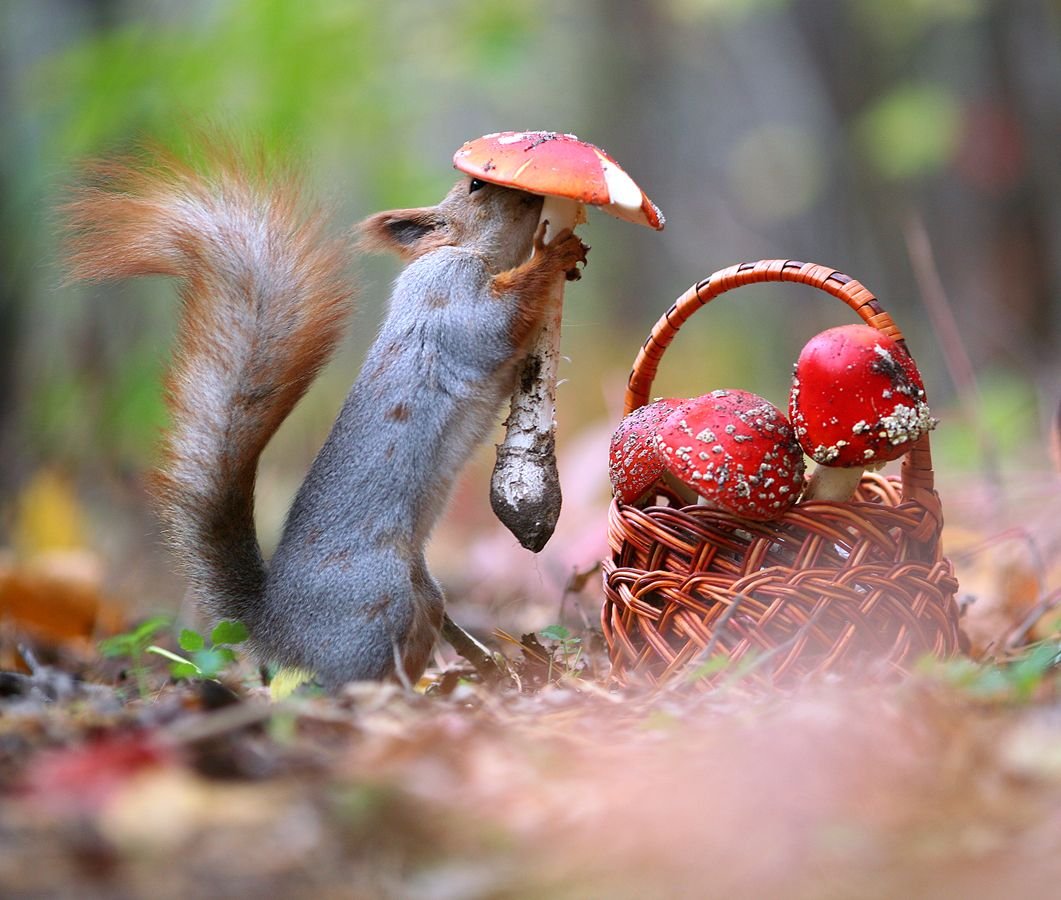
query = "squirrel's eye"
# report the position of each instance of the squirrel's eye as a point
(476, 183)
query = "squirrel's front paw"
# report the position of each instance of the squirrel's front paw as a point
(565, 251)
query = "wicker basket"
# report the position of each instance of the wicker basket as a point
(858, 587)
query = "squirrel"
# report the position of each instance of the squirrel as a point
(347, 595)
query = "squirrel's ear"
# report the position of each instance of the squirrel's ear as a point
(407, 232)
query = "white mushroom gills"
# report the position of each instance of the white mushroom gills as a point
(525, 487)
(624, 195)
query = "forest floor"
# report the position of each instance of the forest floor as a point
(948, 784)
(552, 783)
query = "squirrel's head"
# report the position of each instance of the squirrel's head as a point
(496, 222)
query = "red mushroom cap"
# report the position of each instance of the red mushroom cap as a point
(857, 398)
(736, 450)
(558, 165)
(634, 462)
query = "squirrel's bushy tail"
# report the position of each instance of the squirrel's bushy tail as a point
(264, 304)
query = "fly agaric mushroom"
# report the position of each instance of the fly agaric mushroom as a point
(635, 465)
(569, 173)
(737, 451)
(857, 402)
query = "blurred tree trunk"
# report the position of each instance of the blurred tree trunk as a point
(627, 71)
(22, 219)
(14, 287)
(1027, 240)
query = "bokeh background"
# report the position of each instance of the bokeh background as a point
(910, 143)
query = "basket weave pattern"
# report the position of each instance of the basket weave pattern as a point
(859, 586)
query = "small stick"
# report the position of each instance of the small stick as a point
(955, 357)
(1020, 633)
(473, 650)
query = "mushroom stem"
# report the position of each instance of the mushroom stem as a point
(836, 483)
(682, 491)
(525, 486)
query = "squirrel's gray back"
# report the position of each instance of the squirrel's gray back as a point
(428, 392)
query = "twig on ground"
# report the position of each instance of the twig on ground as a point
(1018, 635)
(473, 650)
(955, 357)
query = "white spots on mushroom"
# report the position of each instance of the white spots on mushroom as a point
(823, 454)
(739, 470)
(906, 423)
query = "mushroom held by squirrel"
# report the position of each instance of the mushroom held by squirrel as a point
(857, 402)
(570, 174)
(734, 449)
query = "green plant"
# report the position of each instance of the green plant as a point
(568, 647)
(134, 644)
(1014, 681)
(207, 659)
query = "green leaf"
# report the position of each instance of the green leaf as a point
(185, 670)
(1027, 673)
(229, 633)
(191, 640)
(286, 681)
(719, 662)
(148, 629)
(555, 633)
(210, 662)
(118, 645)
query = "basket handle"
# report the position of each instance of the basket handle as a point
(917, 476)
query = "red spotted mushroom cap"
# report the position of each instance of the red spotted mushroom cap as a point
(558, 165)
(737, 451)
(857, 398)
(634, 463)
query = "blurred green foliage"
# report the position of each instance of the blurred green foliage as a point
(898, 23)
(292, 75)
(910, 131)
(1009, 414)
(806, 129)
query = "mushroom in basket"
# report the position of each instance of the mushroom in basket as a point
(635, 465)
(857, 402)
(734, 449)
